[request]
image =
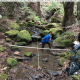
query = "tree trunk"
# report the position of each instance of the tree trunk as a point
(78, 10)
(68, 13)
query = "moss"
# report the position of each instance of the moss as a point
(8, 39)
(14, 48)
(58, 57)
(75, 77)
(21, 43)
(2, 48)
(3, 76)
(64, 41)
(13, 25)
(12, 33)
(69, 55)
(24, 35)
(51, 25)
(11, 62)
(61, 62)
(27, 54)
(2, 29)
(45, 32)
(56, 31)
(62, 54)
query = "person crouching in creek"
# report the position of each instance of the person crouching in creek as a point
(47, 40)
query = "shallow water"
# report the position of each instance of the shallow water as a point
(50, 65)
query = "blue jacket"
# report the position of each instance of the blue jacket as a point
(46, 39)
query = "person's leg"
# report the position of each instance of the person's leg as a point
(43, 45)
(49, 44)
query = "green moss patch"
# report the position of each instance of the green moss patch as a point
(23, 35)
(11, 62)
(56, 31)
(8, 39)
(21, 43)
(2, 48)
(45, 32)
(13, 25)
(15, 48)
(75, 77)
(12, 33)
(27, 54)
(3, 76)
(51, 25)
(61, 62)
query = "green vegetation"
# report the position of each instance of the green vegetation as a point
(15, 48)
(12, 33)
(0, 16)
(75, 77)
(3, 76)
(45, 32)
(21, 43)
(61, 62)
(27, 54)
(23, 35)
(13, 25)
(2, 48)
(11, 62)
(8, 39)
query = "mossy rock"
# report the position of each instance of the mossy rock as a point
(27, 54)
(12, 33)
(75, 77)
(8, 39)
(12, 62)
(3, 76)
(13, 25)
(62, 54)
(15, 48)
(61, 62)
(56, 20)
(2, 29)
(56, 31)
(2, 48)
(64, 41)
(21, 43)
(45, 32)
(51, 25)
(24, 36)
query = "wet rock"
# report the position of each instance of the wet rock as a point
(57, 60)
(35, 54)
(27, 67)
(59, 72)
(22, 58)
(51, 72)
(45, 60)
(17, 53)
(56, 54)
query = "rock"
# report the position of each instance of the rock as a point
(15, 48)
(56, 31)
(51, 25)
(28, 54)
(17, 53)
(13, 25)
(21, 43)
(51, 72)
(11, 62)
(59, 72)
(24, 36)
(4, 68)
(56, 54)
(45, 32)
(8, 39)
(12, 33)
(22, 58)
(45, 60)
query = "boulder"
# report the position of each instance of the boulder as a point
(45, 32)
(28, 54)
(56, 31)
(24, 36)
(51, 25)
(64, 41)
(13, 25)
(11, 62)
(12, 33)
